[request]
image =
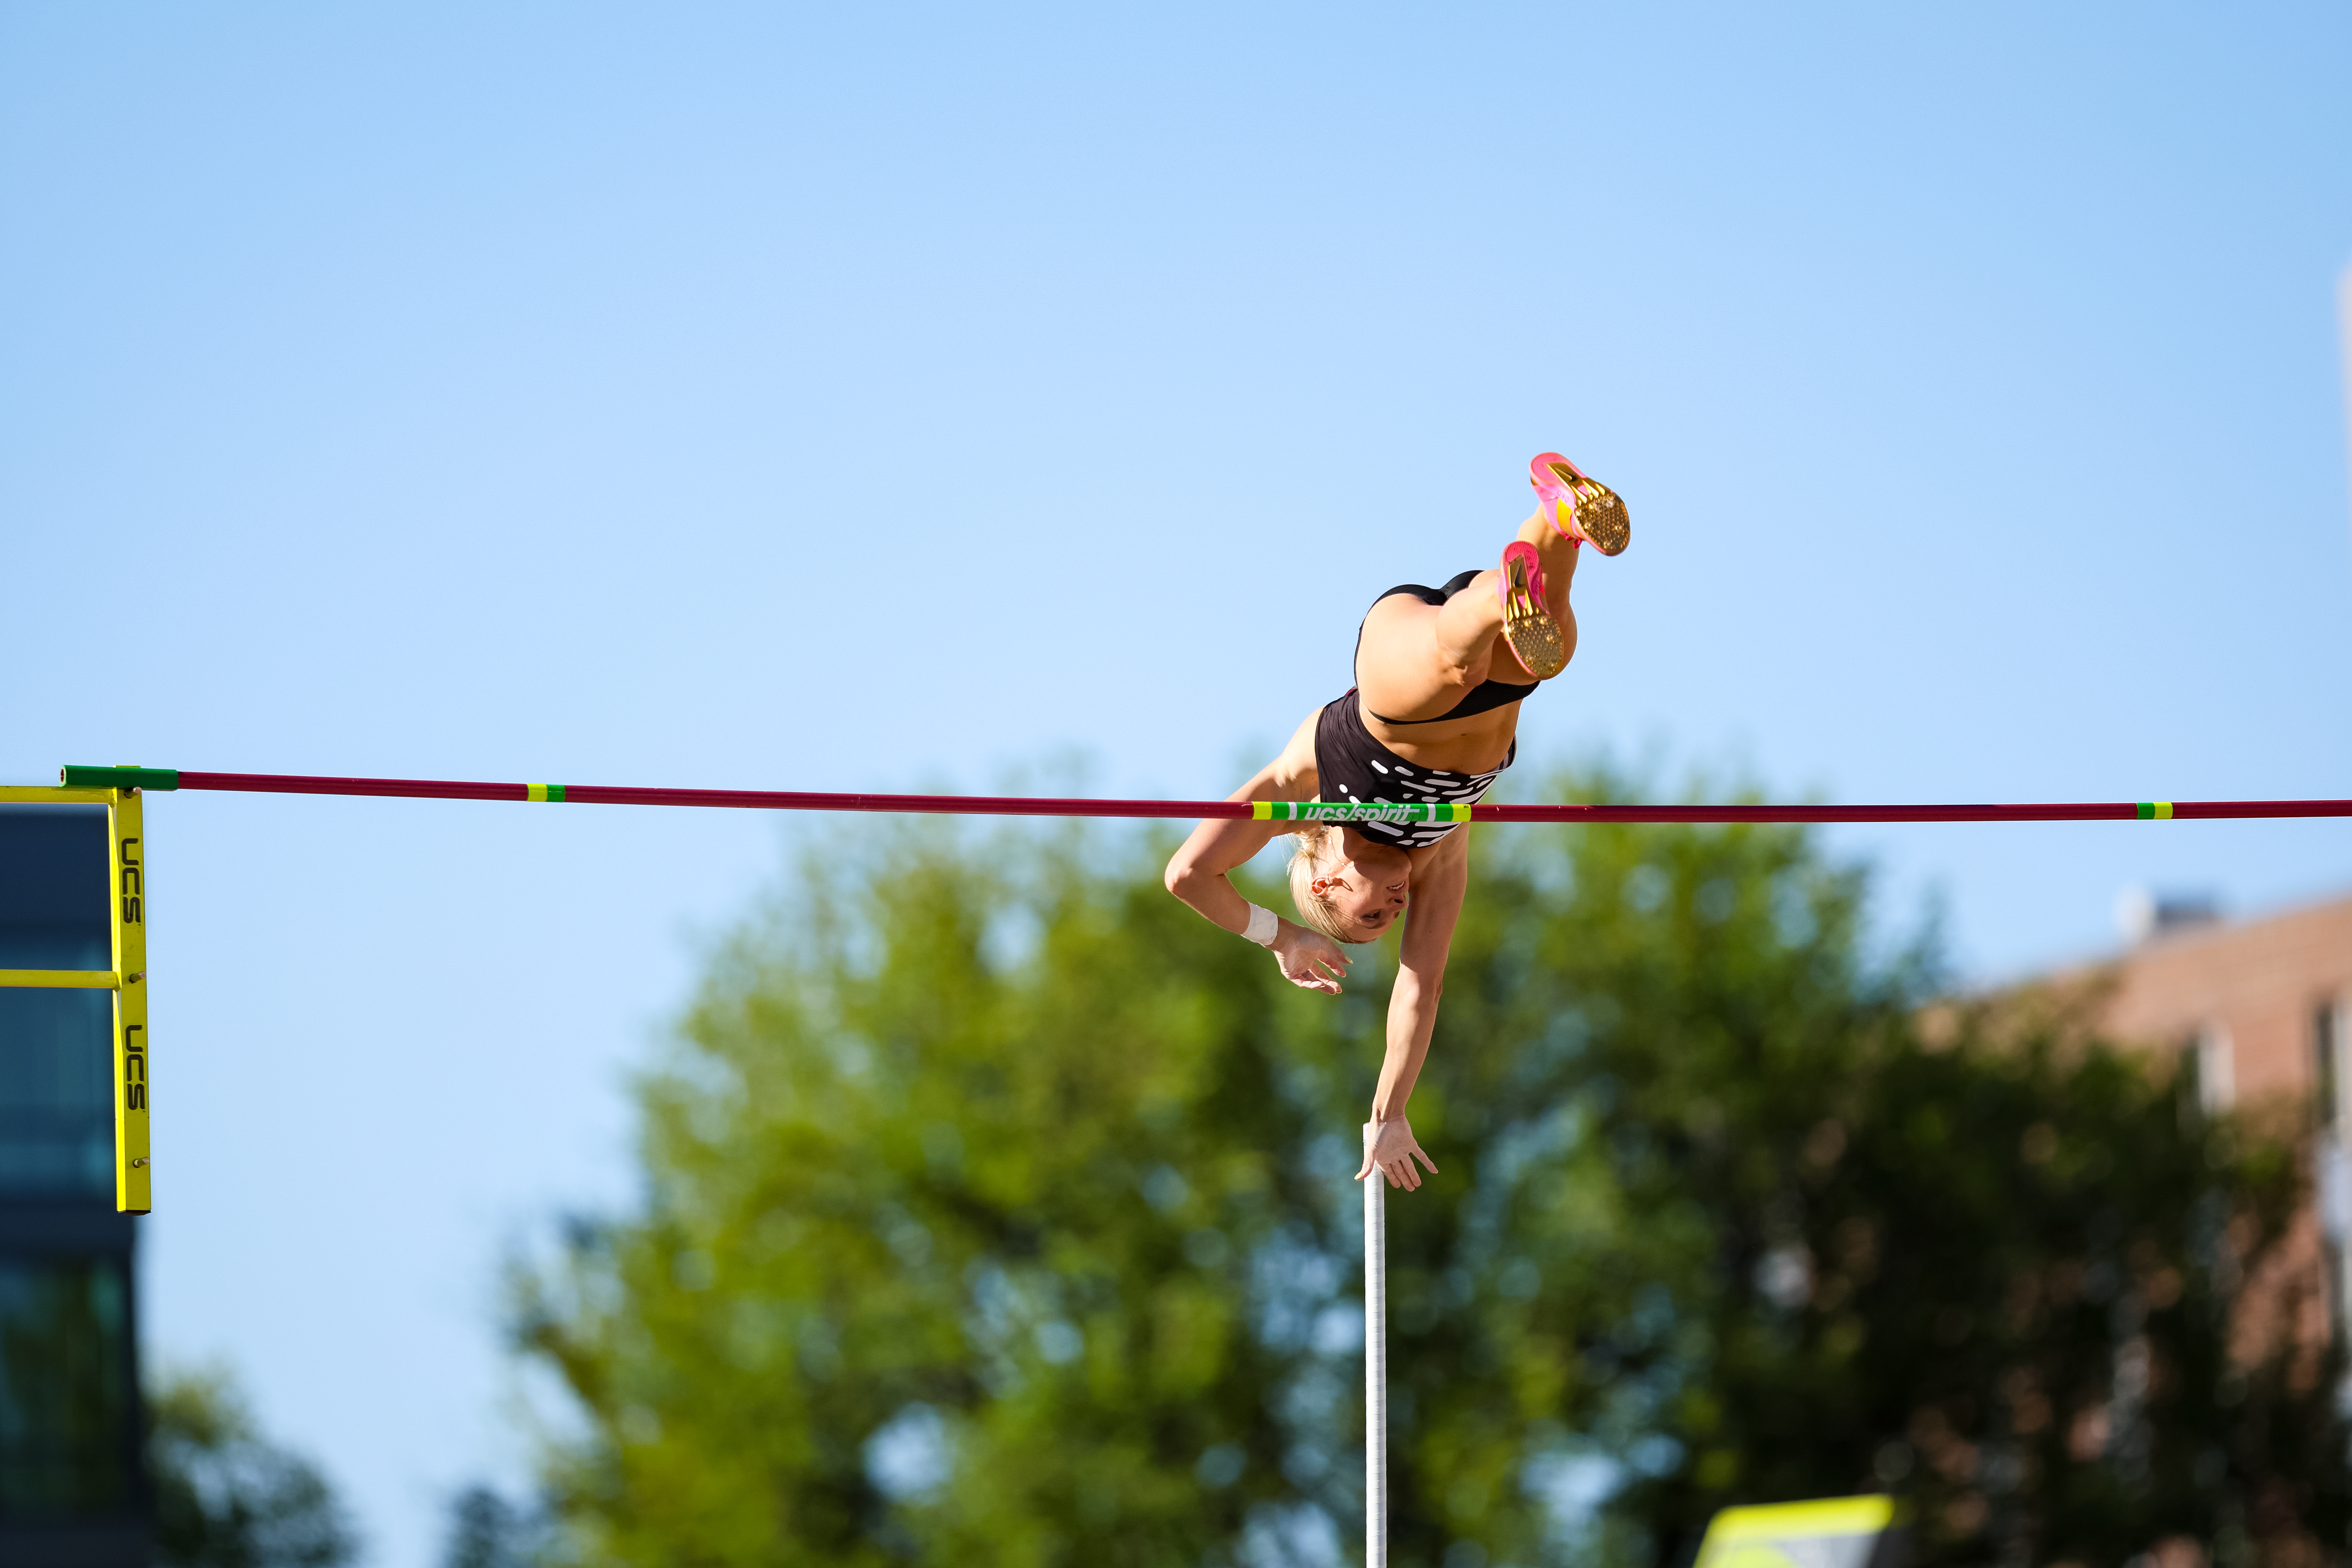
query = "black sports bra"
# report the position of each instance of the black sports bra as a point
(1483, 698)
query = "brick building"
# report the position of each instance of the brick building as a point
(2261, 1013)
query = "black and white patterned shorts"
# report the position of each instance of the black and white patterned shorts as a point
(1353, 766)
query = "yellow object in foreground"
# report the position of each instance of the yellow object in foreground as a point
(1834, 1533)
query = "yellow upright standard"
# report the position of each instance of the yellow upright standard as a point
(127, 920)
(127, 861)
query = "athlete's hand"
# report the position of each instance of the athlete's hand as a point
(1309, 959)
(1392, 1150)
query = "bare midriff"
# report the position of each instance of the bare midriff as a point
(1472, 745)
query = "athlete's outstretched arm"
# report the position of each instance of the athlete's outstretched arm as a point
(1438, 883)
(1197, 873)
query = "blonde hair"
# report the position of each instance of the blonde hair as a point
(1315, 911)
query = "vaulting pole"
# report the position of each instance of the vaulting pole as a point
(1376, 1366)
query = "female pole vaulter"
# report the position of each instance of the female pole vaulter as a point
(1432, 716)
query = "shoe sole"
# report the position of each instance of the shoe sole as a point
(1600, 511)
(1535, 638)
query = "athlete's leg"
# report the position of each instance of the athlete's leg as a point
(1403, 669)
(1559, 556)
(1417, 660)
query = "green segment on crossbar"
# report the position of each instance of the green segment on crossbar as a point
(2155, 811)
(1357, 811)
(73, 777)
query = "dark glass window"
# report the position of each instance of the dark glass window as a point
(57, 1121)
(53, 895)
(65, 1400)
(2325, 1049)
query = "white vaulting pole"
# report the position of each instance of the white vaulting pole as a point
(1376, 1368)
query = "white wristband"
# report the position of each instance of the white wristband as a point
(1264, 927)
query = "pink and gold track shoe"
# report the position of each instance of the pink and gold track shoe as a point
(1580, 508)
(1535, 638)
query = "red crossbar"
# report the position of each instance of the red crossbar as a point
(1055, 806)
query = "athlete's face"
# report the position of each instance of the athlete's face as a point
(1368, 888)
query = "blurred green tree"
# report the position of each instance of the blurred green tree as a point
(486, 1530)
(226, 1497)
(1748, 1220)
(997, 1212)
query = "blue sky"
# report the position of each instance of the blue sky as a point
(909, 398)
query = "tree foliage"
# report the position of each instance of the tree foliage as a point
(997, 1212)
(226, 1497)
(486, 1530)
